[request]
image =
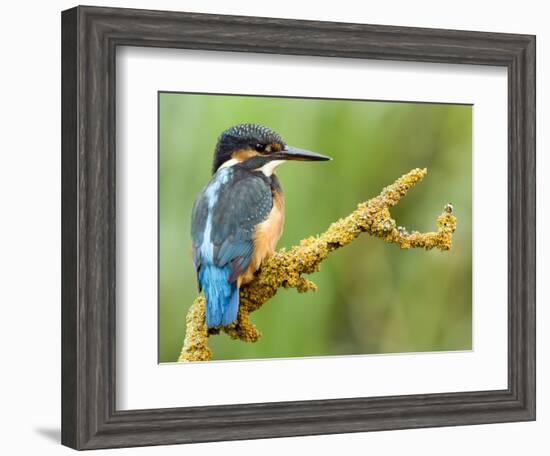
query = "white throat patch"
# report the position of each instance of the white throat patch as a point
(229, 163)
(270, 167)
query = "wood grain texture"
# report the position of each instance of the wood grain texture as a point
(69, 228)
(89, 39)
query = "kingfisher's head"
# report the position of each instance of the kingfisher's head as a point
(259, 147)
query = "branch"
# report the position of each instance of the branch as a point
(284, 269)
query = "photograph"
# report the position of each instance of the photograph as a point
(307, 225)
(278, 236)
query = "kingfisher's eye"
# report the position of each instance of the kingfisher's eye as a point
(260, 147)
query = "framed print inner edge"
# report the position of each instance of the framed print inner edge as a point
(142, 384)
(90, 37)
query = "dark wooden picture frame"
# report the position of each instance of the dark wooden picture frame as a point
(90, 37)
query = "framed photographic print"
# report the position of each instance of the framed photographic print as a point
(279, 228)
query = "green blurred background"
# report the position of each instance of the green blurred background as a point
(373, 297)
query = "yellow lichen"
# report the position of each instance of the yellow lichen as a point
(195, 345)
(285, 268)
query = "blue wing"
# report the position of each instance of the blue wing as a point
(239, 210)
(198, 224)
(225, 216)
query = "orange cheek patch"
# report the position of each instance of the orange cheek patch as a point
(244, 154)
(275, 147)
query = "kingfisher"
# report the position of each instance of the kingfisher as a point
(238, 217)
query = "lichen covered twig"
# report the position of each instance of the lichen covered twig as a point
(285, 269)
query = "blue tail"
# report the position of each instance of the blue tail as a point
(222, 297)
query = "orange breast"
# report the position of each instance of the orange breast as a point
(266, 236)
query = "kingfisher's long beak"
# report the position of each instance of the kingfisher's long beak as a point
(293, 153)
